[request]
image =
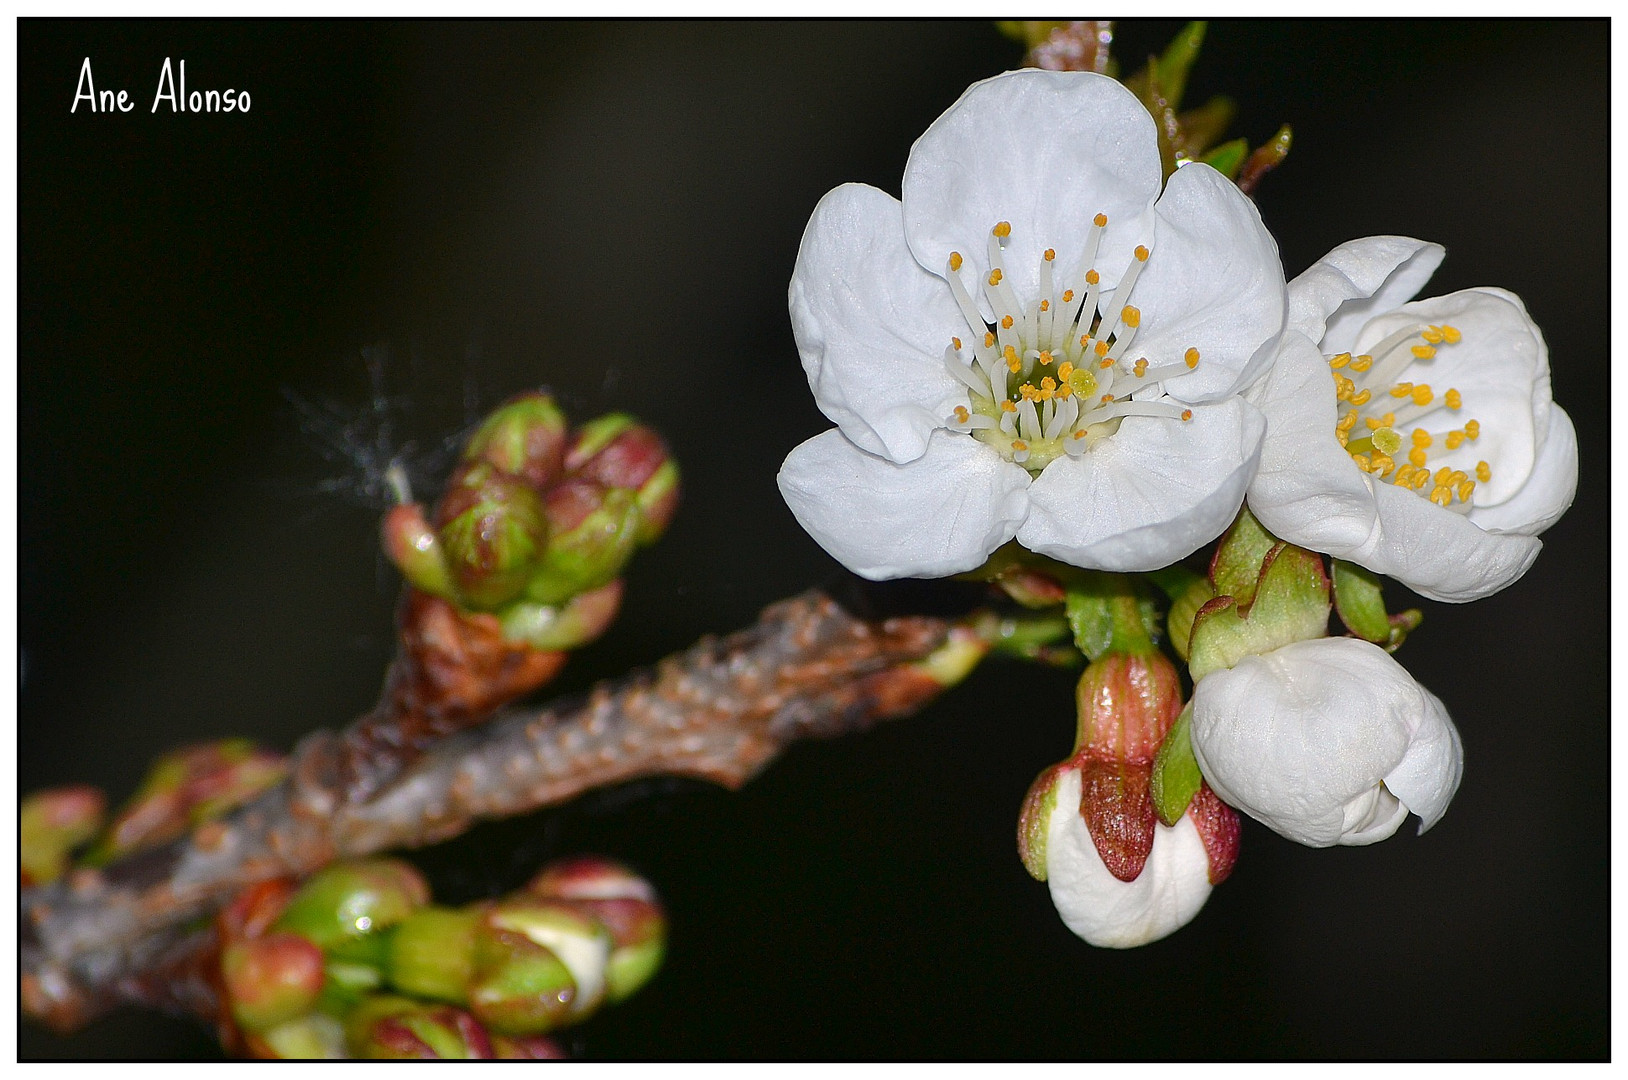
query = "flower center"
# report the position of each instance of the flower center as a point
(1055, 375)
(1380, 407)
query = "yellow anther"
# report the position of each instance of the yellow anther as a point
(1421, 479)
(1458, 477)
(1362, 363)
(1130, 316)
(1080, 434)
(1374, 423)
(1191, 357)
(1008, 406)
(955, 341)
(1401, 390)
(1102, 348)
(1013, 364)
(1472, 429)
(1388, 440)
(955, 260)
(1418, 456)
(1382, 464)
(1028, 391)
(1441, 495)
(1187, 414)
(1483, 471)
(1450, 334)
(1100, 220)
(1343, 435)
(1431, 334)
(1140, 367)
(1424, 352)
(1347, 422)
(1338, 362)
(1085, 341)
(995, 276)
(1045, 305)
(1092, 277)
(1404, 474)
(989, 340)
(1443, 476)
(1455, 439)
(1362, 398)
(1421, 437)
(1454, 399)
(1048, 383)
(1105, 399)
(1065, 391)
(1064, 370)
(1002, 229)
(1045, 358)
(1422, 395)
(1068, 296)
(1141, 253)
(1051, 253)
(1465, 490)
(1019, 445)
(1361, 460)
(961, 414)
(1006, 322)
(1343, 387)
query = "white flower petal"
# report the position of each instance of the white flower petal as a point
(1115, 914)
(1149, 494)
(1354, 282)
(1301, 737)
(872, 325)
(1046, 151)
(1431, 769)
(1548, 491)
(941, 514)
(1214, 283)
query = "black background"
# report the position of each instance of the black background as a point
(614, 210)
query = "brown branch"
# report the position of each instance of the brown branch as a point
(720, 711)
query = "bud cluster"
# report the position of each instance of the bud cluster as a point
(538, 521)
(357, 962)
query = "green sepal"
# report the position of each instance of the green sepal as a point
(1227, 158)
(1402, 624)
(1108, 613)
(1034, 821)
(1290, 604)
(597, 434)
(312, 1037)
(1172, 68)
(631, 966)
(1235, 569)
(1183, 610)
(591, 554)
(1201, 127)
(432, 953)
(1176, 778)
(1360, 601)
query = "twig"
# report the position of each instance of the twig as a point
(720, 711)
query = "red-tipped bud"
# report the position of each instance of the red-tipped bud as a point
(589, 877)
(520, 987)
(415, 549)
(571, 625)
(592, 533)
(50, 824)
(253, 911)
(525, 437)
(348, 901)
(437, 1032)
(493, 533)
(1218, 826)
(272, 979)
(618, 452)
(620, 901)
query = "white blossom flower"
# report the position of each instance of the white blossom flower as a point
(1034, 343)
(1328, 741)
(1115, 914)
(1416, 439)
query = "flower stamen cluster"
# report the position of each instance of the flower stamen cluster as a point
(1067, 352)
(1369, 385)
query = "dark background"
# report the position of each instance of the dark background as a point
(614, 210)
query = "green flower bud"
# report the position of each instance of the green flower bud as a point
(50, 824)
(618, 452)
(520, 987)
(568, 626)
(271, 980)
(425, 1031)
(432, 953)
(493, 533)
(415, 549)
(592, 533)
(525, 437)
(620, 901)
(344, 903)
(305, 1038)
(581, 943)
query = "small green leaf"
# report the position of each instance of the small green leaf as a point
(1360, 601)
(1227, 158)
(1172, 68)
(1176, 778)
(1179, 623)
(1236, 567)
